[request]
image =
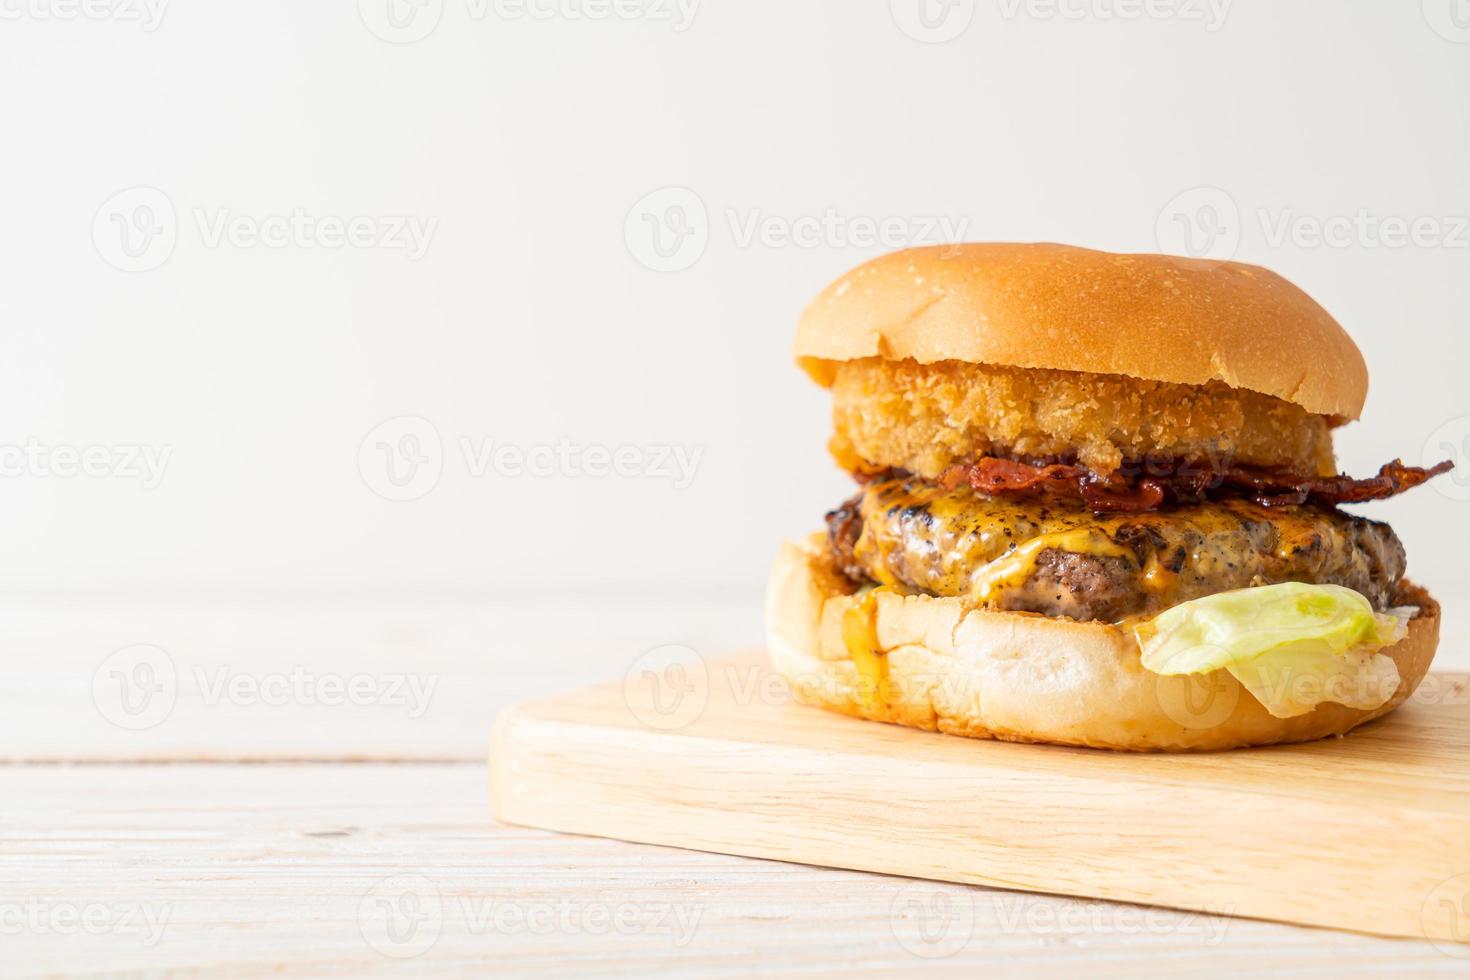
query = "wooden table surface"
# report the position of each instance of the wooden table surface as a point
(298, 810)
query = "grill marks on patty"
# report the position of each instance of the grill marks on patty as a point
(1039, 555)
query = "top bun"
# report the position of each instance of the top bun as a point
(1155, 317)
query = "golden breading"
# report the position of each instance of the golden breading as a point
(925, 417)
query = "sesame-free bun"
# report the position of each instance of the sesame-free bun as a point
(1022, 677)
(1156, 317)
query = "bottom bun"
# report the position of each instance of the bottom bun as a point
(932, 663)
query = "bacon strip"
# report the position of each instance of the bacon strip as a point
(1147, 494)
(1275, 488)
(1184, 481)
(991, 474)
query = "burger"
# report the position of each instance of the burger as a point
(1096, 504)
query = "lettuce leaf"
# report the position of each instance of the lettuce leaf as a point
(1292, 646)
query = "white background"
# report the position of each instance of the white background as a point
(527, 141)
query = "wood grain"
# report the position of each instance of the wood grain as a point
(263, 870)
(1369, 832)
(468, 657)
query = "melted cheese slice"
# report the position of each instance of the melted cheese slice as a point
(860, 636)
(1012, 569)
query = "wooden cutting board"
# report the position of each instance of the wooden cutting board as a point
(1369, 832)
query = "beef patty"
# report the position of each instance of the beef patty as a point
(1045, 556)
